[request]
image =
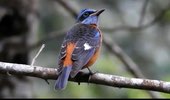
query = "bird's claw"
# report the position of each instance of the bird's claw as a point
(47, 81)
(90, 74)
(78, 83)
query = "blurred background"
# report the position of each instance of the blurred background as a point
(140, 29)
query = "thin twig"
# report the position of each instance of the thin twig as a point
(33, 60)
(143, 10)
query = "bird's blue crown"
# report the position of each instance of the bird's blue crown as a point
(84, 13)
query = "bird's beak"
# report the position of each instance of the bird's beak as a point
(98, 12)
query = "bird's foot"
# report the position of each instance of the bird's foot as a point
(90, 74)
(47, 81)
(78, 78)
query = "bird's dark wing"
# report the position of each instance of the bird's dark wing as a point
(82, 53)
(62, 55)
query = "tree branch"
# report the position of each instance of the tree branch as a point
(98, 78)
(143, 10)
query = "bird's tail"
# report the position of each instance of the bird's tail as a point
(63, 78)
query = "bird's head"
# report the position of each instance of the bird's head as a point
(89, 16)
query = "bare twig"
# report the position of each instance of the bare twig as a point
(98, 78)
(33, 60)
(143, 10)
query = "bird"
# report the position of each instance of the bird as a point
(81, 46)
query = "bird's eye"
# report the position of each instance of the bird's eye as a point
(86, 14)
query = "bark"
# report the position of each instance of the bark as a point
(97, 78)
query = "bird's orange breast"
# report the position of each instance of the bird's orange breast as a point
(93, 58)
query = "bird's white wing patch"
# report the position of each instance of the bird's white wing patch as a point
(87, 46)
